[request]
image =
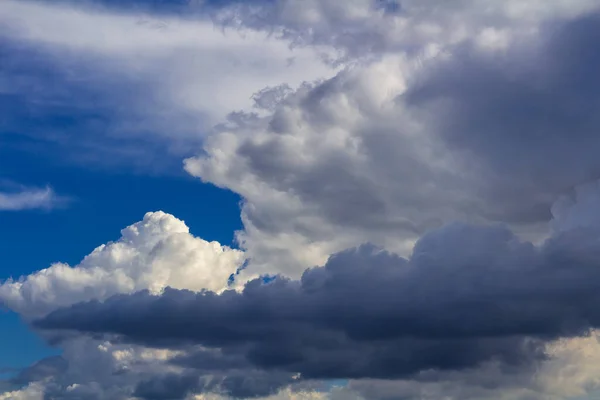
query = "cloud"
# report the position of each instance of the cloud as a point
(569, 372)
(359, 28)
(41, 370)
(151, 254)
(137, 83)
(470, 300)
(466, 111)
(157, 252)
(220, 69)
(387, 150)
(474, 313)
(32, 392)
(30, 198)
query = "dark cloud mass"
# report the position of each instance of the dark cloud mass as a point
(47, 367)
(467, 295)
(527, 117)
(168, 387)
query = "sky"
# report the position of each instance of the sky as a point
(299, 200)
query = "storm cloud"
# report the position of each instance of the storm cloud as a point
(467, 296)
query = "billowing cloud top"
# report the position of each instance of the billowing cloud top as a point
(467, 295)
(152, 254)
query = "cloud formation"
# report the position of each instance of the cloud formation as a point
(152, 254)
(177, 75)
(478, 112)
(30, 198)
(369, 27)
(386, 151)
(469, 297)
(437, 310)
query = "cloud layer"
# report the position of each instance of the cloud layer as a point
(443, 308)
(178, 75)
(469, 298)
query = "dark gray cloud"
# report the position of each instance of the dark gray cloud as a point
(527, 117)
(169, 387)
(45, 368)
(468, 295)
(209, 371)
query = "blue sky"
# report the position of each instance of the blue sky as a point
(101, 201)
(78, 124)
(53, 132)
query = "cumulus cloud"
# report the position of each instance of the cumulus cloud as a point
(470, 300)
(30, 198)
(152, 254)
(385, 151)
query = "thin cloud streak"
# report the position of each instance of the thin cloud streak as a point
(31, 198)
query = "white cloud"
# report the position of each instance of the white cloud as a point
(360, 27)
(193, 66)
(152, 254)
(33, 391)
(30, 198)
(309, 188)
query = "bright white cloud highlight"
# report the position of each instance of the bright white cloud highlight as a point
(152, 254)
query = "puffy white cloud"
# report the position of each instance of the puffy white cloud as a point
(303, 171)
(336, 165)
(157, 252)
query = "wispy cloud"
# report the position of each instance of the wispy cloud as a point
(132, 82)
(31, 198)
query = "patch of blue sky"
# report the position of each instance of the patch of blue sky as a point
(62, 125)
